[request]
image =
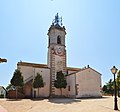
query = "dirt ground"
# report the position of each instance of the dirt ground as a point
(104, 104)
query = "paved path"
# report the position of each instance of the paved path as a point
(2, 109)
(104, 104)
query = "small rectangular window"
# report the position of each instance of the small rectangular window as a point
(1, 92)
(77, 88)
(68, 88)
(44, 83)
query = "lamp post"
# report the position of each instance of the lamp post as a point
(114, 71)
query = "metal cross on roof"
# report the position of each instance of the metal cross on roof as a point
(57, 20)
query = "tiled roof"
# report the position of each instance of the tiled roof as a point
(32, 65)
(84, 70)
(2, 88)
(72, 69)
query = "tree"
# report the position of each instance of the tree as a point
(38, 82)
(118, 83)
(109, 87)
(10, 87)
(17, 80)
(60, 81)
(104, 88)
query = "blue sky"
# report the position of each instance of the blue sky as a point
(92, 26)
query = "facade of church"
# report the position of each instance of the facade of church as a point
(81, 82)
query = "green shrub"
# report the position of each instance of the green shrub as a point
(2, 96)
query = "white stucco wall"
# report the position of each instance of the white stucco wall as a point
(45, 91)
(26, 71)
(2, 91)
(86, 83)
(89, 83)
(71, 83)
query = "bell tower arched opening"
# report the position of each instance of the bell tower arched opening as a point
(58, 39)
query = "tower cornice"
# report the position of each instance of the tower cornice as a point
(57, 26)
(54, 44)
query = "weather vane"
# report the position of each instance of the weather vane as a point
(57, 20)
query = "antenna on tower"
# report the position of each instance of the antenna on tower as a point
(61, 21)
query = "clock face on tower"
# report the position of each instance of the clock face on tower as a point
(59, 50)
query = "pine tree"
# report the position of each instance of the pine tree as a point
(60, 81)
(109, 87)
(38, 82)
(17, 80)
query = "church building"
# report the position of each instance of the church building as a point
(81, 82)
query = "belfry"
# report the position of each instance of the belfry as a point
(56, 50)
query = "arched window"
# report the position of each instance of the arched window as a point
(59, 40)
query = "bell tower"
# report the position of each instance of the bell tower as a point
(56, 51)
